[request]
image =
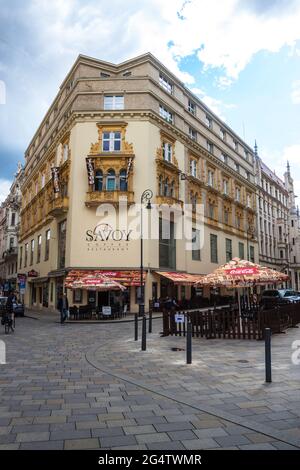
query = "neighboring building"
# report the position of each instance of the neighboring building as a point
(293, 233)
(9, 230)
(277, 222)
(141, 128)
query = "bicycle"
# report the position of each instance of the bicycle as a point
(8, 324)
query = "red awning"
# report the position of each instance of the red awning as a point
(180, 278)
(126, 278)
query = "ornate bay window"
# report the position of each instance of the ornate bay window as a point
(111, 159)
(167, 172)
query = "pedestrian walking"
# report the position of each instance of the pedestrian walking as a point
(63, 307)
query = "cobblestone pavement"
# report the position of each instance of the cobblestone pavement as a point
(90, 387)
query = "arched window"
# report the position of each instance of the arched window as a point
(166, 187)
(98, 180)
(123, 180)
(160, 183)
(111, 180)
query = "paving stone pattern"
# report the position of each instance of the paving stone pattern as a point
(90, 387)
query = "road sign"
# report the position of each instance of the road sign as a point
(179, 318)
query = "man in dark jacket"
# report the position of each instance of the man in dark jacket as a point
(10, 309)
(63, 307)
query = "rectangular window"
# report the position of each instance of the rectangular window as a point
(20, 257)
(193, 168)
(166, 114)
(208, 122)
(211, 210)
(210, 147)
(13, 219)
(252, 254)
(228, 248)
(248, 200)
(196, 245)
(225, 187)
(65, 153)
(167, 151)
(238, 194)
(226, 217)
(31, 251)
(39, 247)
(222, 134)
(241, 250)
(210, 178)
(192, 134)
(224, 158)
(167, 244)
(62, 231)
(192, 107)
(213, 248)
(26, 255)
(236, 145)
(111, 141)
(165, 83)
(113, 102)
(47, 245)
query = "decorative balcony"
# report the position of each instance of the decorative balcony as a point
(59, 206)
(169, 200)
(282, 244)
(94, 198)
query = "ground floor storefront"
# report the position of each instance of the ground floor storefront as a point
(43, 292)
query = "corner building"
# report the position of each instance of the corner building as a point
(141, 128)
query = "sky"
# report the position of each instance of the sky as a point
(241, 57)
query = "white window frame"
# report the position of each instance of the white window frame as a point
(165, 83)
(208, 121)
(193, 167)
(167, 151)
(210, 178)
(192, 133)
(238, 194)
(210, 146)
(225, 187)
(115, 102)
(192, 107)
(111, 141)
(166, 114)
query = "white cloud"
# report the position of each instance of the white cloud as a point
(228, 35)
(224, 35)
(4, 189)
(217, 106)
(295, 95)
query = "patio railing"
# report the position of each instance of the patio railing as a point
(227, 323)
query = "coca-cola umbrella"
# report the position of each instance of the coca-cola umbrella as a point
(239, 273)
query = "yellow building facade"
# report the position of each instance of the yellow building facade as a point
(139, 127)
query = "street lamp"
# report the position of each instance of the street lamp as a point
(145, 198)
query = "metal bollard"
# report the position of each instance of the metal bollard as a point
(136, 327)
(189, 342)
(268, 355)
(144, 328)
(150, 322)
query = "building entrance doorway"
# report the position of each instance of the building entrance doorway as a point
(103, 298)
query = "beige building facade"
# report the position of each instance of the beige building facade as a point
(9, 233)
(140, 128)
